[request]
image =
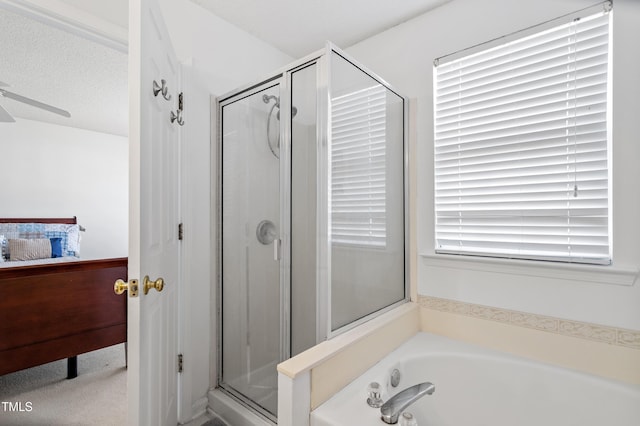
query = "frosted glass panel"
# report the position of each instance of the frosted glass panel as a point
(250, 222)
(366, 199)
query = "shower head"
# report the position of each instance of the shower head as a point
(275, 146)
(267, 98)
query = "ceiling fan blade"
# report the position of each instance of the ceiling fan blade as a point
(5, 117)
(34, 103)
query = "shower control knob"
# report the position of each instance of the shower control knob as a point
(266, 232)
(374, 392)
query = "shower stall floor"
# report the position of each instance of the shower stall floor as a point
(261, 386)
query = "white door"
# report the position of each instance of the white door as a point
(153, 219)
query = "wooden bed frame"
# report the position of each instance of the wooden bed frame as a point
(56, 311)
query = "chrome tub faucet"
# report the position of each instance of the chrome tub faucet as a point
(391, 410)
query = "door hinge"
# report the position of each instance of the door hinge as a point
(180, 363)
(180, 231)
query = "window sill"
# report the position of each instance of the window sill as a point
(566, 271)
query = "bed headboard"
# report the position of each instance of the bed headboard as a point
(65, 231)
(67, 220)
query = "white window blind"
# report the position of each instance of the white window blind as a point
(358, 162)
(521, 147)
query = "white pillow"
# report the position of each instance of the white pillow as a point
(73, 239)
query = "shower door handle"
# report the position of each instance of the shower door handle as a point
(276, 249)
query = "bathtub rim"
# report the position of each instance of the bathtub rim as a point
(380, 371)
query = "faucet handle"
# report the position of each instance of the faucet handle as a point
(374, 392)
(407, 419)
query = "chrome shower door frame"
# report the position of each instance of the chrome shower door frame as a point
(283, 80)
(323, 329)
(221, 102)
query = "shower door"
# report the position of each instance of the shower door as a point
(251, 233)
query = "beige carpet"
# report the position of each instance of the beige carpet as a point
(43, 396)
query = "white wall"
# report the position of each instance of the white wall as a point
(404, 56)
(56, 171)
(226, 56)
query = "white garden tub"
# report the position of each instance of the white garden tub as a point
(479, 387)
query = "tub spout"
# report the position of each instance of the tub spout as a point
(392, 409)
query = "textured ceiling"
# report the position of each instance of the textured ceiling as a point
(89, 79)
(64, 70)
(299, 27)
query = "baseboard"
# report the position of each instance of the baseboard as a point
(199, 408)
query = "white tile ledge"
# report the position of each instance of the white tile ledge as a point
(616, 275)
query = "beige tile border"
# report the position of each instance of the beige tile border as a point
(599, 333)
(577, 354)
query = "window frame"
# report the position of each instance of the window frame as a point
(586, 14)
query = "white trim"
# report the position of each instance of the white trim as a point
(624, 276)
(294, 399)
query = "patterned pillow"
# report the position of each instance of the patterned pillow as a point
(9, 230)
(29, 249)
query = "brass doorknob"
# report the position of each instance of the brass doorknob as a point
(120, 287)
(147, 284)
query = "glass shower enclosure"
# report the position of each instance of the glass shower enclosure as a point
(311, 215)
